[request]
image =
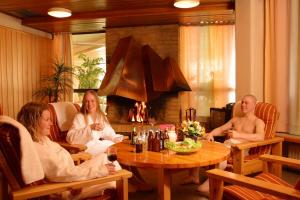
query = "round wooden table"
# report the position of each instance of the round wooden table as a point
(211, 153)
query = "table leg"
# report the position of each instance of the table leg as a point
(164, 184)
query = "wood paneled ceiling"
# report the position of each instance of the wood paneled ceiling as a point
(96, 15)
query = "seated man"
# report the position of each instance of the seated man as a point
(246, 128)
(242, 129)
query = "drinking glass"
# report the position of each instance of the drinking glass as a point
(112, 154)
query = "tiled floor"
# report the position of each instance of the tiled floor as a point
(188, 192)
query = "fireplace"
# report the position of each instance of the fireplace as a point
(136, 73)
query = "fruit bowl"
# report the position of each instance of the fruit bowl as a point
(187, 146)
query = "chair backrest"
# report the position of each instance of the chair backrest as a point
(10, 155)
(1, 110)
(62, 115)
(269, 114)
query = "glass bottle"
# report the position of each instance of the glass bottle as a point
(150, 140)
(133, 136)
(156, 142)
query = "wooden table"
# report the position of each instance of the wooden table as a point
(211, 153)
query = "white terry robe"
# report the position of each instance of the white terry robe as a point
(81, 133)
(58, 166)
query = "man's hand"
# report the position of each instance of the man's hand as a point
(209, 137)
(232, 134)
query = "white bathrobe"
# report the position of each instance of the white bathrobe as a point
(58, 166)
(81, 133)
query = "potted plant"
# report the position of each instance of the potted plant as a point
(55, 85)
(88, 72)
(192, 129)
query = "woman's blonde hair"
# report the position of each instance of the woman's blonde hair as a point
(83, 108)
(30, 115)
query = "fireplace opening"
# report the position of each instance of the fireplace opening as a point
(164, 109)
(139, 113)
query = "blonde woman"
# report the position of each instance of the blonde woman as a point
(57, 163)
(91, 127)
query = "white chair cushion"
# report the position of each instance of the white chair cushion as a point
(65, 113)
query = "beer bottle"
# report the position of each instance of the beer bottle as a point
(156, 142)
(150, 140)
(133, 136)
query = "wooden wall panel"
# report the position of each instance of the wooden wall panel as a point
(24, 57)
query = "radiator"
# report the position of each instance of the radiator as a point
(293, 150)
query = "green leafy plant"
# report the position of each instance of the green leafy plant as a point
(55, 85)
(88, 72)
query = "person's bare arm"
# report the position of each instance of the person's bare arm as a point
(259, 134)
(218, 131)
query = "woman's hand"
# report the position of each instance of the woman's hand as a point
(97, 126)
(111, 168)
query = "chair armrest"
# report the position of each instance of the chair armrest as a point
(50, 188)
(280, 160)
(72, 148)
(248, 145)
(251, 183)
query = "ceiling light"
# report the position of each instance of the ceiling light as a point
(186, 3)
(59, 12)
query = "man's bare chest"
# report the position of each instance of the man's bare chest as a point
(244, 125)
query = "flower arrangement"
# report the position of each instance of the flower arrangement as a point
(192, 128)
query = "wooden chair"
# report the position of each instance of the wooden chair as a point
(266, 185)
(10, 156)
(62, 115)
(271, 145)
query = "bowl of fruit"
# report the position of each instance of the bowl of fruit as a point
(187, 146)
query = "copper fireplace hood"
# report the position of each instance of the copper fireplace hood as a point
(139, 73)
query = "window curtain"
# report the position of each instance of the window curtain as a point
(207, 60)
(62, 51)
(282, 66)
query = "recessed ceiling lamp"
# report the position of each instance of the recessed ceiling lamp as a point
(59, 12)
(186, 3)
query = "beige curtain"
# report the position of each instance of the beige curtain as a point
(281, 78)
(294, 105)
(207, 59)
(62, 51)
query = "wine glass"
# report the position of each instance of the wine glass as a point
(112, 154)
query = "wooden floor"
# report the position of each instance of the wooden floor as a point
(188, 192)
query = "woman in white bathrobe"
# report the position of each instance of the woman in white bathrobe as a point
(91, 127)
(57, 163)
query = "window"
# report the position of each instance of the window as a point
(89, 62)
(207, 59)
